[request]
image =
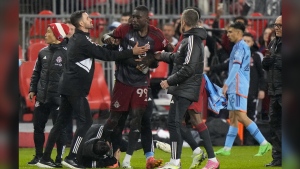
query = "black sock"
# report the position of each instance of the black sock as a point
(204, 134)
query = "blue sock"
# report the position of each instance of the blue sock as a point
(149, 154)
(230, 137)
(255, 132)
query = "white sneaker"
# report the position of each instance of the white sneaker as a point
(163, 146)
(126, 165)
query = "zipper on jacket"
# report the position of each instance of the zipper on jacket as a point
(47, 77)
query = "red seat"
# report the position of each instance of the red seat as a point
(20, 53)
(39, 28)
(161, 71)
(211, 21)
(99, 97)
(33, 50)
(91, 3)
(99, 25)
(36, 40)
(25, 73)
(258, 25)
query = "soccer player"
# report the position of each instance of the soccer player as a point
(75, 85)
(185, 79)
(44, 84)
(130, 93)
(236, 87)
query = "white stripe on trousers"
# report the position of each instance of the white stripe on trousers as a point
(77, 143)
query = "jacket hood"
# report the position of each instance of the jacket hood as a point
(199, 31)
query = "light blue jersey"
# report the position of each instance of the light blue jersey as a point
(239, 77)
(239, 70)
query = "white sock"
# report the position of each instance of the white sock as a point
(213, 159)
(227, 148)
(197, 150)
(127, 158)
(175, 161)
(264, 143)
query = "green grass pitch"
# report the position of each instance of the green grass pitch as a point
(241, 158)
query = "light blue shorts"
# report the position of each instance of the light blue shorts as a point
(236, 102)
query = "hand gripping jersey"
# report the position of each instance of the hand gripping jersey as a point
(154, 40)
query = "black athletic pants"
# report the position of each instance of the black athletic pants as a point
(40, 117)
(178, 107)
(275, 111)
(80, 107)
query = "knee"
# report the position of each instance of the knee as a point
(135, 124)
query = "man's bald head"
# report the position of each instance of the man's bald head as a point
(278, 26)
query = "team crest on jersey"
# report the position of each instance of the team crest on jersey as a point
(147, 45)
(58, 61)
(117, 104)
(37, 104)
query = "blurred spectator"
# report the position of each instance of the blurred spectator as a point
(71, 28)
(125, 17)
(239, 8)
(265, 38)
(169, 32)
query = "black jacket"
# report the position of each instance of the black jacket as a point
(257, 80)
(86, 156)
(47, 72)
(79, 69)
(273, 66)
(186, 75)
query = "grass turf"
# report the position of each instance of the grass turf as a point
(241, 158)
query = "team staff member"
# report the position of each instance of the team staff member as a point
(76, 82)
(44, 85)
(185, 79)
(273, 65)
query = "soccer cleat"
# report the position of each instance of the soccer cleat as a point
(197, 159)
(263, 149)
(153, 163)
(58, 161)
(47, 164)
(212, 165)
(34, 161)
(71, 163)
(126, 165)
(163, 146)
(170, 165)
(222, 152)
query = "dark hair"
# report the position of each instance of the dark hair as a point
(197, 10)
(190, 17)
(241, 18)
(249, 35)
(68, 22)
(100, 148)
(76, 17)
(238, 25)
(143, 9)
(126, 14)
